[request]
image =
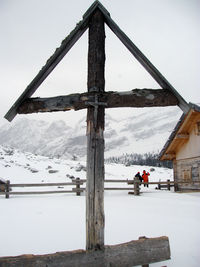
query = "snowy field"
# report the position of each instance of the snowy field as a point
(36, 224)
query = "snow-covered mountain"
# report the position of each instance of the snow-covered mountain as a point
(145, 131)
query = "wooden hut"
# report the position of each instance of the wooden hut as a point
(183, 148)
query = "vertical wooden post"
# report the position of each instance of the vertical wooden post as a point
(159, 186)
(136, 186)
(95, 136)
(168, 184)
(78, 193)
(176, 187)
(7, 188)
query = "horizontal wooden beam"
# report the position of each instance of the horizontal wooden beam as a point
(184, 136)
(40, 192)
(134, 98)
(169, 156)
(140, 252)
(45, 184)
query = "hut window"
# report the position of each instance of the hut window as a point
(187, 175)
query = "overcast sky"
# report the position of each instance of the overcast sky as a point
(166, 31)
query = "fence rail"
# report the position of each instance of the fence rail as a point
(6, 188)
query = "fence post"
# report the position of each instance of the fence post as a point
(7, 188)
(159, 187)
(175, 186)
(136, 186)
(168, 185)
(78, 193)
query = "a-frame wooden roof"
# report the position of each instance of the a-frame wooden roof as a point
(178, 135)
(71, 39)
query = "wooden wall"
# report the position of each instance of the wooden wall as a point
(187, 170)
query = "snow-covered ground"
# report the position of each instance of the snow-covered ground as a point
(36, 224)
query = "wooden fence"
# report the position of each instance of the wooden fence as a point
(6, 189)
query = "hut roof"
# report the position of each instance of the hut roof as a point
(165, 153)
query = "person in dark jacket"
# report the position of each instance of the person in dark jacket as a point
(139, 176)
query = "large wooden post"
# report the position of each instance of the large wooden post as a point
(95, 136)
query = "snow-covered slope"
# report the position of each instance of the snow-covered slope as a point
(143, 130)
(18, 166)
(41, 224)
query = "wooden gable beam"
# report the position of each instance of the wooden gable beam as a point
(182, 136)
(143, 59)
(133, 98)
(52, 62)
(71, 39)
(169, 156)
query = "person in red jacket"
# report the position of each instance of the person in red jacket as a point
(145, 177)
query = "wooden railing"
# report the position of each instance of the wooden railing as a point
(6, 189)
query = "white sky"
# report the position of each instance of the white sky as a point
(166, 31)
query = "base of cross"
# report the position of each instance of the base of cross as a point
(141, 252)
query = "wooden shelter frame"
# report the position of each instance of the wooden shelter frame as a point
(67, 44)
(96, 100)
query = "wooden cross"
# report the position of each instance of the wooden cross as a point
(96, 100)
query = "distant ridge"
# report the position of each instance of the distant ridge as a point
(139, 133)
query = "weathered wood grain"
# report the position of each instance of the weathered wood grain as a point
(44, 184)
(133, 98)
(192, 166)
(41, 192)
(142, 251)
(95, 137)
(7, 189)
(184, 136)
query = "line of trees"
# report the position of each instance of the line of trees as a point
(148, 159)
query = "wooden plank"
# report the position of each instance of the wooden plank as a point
(169, 156)
(74, 190)
(184, 136)
(133, 98)
(44, 184)
(140, 252)
(41, 192)
(82, 181)
(118, 188)
(116, 181)
(166, 183)
(152, 70)
(95, 137)
(111, 180)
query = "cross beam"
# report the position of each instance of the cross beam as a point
(95, 100)
(135, 98)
